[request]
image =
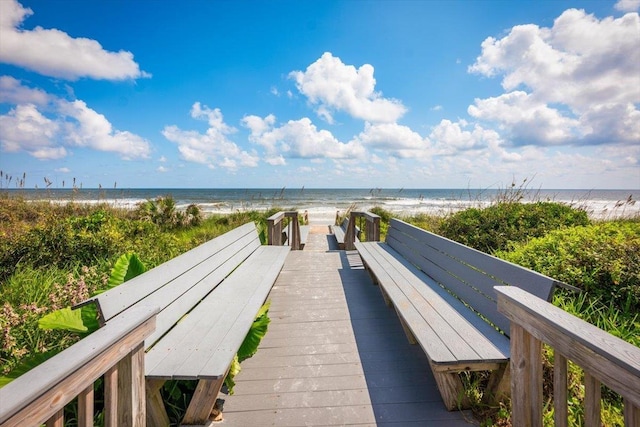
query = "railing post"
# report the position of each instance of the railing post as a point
(294, 235)
(526, 378)
(274, 229)
(350, 234)
(131, 389)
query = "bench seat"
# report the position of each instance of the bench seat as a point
(444, 295)
(203, 344)
(340, 231)
(208, 298)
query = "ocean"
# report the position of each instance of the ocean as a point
(323, 203)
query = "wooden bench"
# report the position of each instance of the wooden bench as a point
(304, 235)
(208, 298)
(340, 231)
(432, 282)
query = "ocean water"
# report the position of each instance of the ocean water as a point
(322, 204)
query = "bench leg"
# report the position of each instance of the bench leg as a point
(156, 411)
(410, 337)
(203, 401)
(451, 390)
(499, 386)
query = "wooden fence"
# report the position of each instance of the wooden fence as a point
(275, 227)
(115, 351)
(371, 228)
(604, 358)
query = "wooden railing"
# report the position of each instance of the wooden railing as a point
(115, 351)
(371, 228)
(604, 358)
(275, 228)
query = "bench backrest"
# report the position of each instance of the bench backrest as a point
(178, 285)
(467, 273)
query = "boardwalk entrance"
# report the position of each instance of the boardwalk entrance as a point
(334, 354)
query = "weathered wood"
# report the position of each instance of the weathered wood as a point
(41, 392)
(203, 401)
(592, 402)
(129, 293)
(613, 361)
(85, 407)
(57, 420)
(499, 385)
(111, 397)
(451, 390)
(131, 389)
(203, 344)
(365, 375)
(603, 357)
(560, 384)
(156, 411)
(523, 388)
(631, 414)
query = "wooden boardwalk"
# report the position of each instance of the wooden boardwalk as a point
(334, 354)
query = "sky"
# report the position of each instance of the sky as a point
(335, 94)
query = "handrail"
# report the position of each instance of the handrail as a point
(371, 229)
(115, 351)
(274, 229)
(604, 358)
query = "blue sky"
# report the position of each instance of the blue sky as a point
(236, 94)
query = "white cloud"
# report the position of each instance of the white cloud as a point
(54, 53)
(24, 128)
(525, 120)
(395, 139)
(298, 139)
(13, 92)
(213, 148)
(88, 128)
(63, 170)
(162, 169)
(72, 123)
(334, 86)
(564, 82)
(628, 5)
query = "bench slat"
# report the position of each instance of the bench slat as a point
(129, 293)
(196, 284)
(465, 282)
(466, 337)
(217, 326)
(511, 274)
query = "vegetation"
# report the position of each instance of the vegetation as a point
(602, 259)
(53, 256)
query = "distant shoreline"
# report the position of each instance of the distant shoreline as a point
(323, 203)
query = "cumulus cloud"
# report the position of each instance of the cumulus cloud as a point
(86, 127)
(212, 148)
(567, 79)
(45, 126)
(13, 92)
(627, 5)
(24, 128)
(298, 139)
(395, 139)
(334, 86)
(54, 53)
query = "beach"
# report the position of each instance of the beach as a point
(323, 203)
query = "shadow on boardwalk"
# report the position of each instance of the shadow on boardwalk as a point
(401, 387)
(335, 354)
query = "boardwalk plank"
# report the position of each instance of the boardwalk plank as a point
(334, 353)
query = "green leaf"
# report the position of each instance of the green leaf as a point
(89, 315)
(127, 267)
(65, 319)
(258, 330)
(233, 371)
(26, 365)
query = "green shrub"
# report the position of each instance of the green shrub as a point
(493, 228)
(602, 259)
